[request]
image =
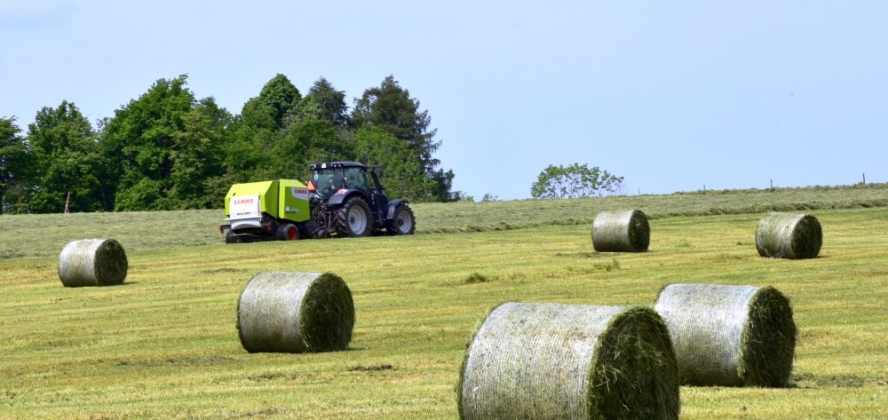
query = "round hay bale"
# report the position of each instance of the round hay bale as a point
(92, 262)
(554, 361)
(785, 235)
(295, 312)
(621, 231)
(729, 335)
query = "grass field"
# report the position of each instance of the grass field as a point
(165, 344)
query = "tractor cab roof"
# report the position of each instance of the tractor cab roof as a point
(336, 164)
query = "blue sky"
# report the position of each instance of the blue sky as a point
(673, 96)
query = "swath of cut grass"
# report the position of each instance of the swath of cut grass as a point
(621, 231)
(42, 235)
(92, 262)
(475, 278)
(553, 361)
(730, 335)
(295, 312)
(785, 235)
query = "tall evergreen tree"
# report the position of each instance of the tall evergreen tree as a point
(391, 108)
(330, 101)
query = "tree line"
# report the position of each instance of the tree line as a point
(169, 150)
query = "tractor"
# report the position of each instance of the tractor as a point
(343, 199)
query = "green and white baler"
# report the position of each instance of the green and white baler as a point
(266, 210)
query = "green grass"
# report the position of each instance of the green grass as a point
(44, 235)
(165, 344)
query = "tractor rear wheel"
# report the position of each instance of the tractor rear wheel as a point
(287, 232)
(353, 218)
(403, 223)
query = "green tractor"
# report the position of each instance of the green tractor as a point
(342, 199)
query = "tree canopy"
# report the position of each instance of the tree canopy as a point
(574, 181)
(15, 163)
(168, 149)
(391, 108)
(67, 159)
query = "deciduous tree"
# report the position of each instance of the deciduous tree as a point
(15, 163)
(574, 181)
(67, 159)
(167, 145)
(401, 173)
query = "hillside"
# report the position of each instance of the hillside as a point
(44, 235)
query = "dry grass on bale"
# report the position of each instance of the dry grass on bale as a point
(729, 335)
(92, 262)
(295, 312)
(621, 231)
(554, 361)
(786, 235)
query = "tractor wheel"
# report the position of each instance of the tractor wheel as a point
(403, 223)
(287, 232)
(229, 237)
(353, 218)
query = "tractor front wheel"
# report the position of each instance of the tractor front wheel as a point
(353, 218)
(403, 223)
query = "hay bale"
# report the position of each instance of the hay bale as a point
(621, 231)
(553, 361)
(92, 262)
(785, 235)
(295, 312)
(729, 335)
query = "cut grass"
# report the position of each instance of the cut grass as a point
(164, 344)
(42, 235)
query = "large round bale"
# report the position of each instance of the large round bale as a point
(295, 312)
(729, 335)
(92, 262)
(785, 235)
(621, 231)
(554, 361)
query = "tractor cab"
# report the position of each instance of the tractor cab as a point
(331, 178)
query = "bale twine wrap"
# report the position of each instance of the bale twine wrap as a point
(555, 361)
(729, 335)
(92, 262)
(295, 312)
(785, 235)
(621, 231)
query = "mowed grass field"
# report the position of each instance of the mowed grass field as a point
(165, 344)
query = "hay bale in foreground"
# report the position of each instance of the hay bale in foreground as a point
(729, 335)
(785, 235)
(295, 312)
(552, 361)
(621, 231)
(92, 262)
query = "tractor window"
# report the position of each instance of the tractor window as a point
(357, 179)
(326, 181)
